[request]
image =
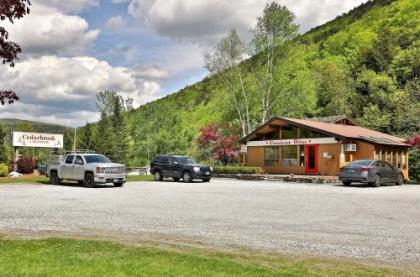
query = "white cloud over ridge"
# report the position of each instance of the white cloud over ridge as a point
(54, 87)
(205, 20)
(48, 31)
(66, 6)
(115, 23)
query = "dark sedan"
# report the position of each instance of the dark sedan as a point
(371, 172)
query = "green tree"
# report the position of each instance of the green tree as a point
(335, 87)
(105, 139)
(112, 136)
(383, 51)
(272, 31)
(224, 62)
(87, 137)
(120, 130)
(3, 156)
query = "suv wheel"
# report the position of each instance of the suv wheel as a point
(89, 180)
(186, 176)
(158, 176)
(54, 178)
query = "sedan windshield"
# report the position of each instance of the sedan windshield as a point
(93, 159)
(186, 160)
(361, 163)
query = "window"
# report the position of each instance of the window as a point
(92, 159)
(289, 133)
(305, 133)
(302, 155)
(361, 163)
(289, 155)
(69, 159)
(271, 156)
(79, 160)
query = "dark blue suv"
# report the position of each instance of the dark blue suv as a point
(179, 167)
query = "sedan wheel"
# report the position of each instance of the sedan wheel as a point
(400, 180)
(378, 181)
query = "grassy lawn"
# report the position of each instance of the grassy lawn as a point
(45, 180)
(67, 257)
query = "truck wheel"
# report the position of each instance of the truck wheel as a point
(54, 178)
(186, 176)
(89, 180)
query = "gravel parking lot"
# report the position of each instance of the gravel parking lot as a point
(380, 224)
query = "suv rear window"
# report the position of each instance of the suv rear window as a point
(162, 159)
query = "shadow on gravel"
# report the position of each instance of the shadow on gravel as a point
(361, 185)
(77, 185)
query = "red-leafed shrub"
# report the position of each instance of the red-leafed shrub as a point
(414, 140)
(25, 165)
(219, 143)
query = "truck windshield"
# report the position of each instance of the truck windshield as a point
(186, 160)
(92, 159)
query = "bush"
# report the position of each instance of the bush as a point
(25, 165)
(237, 170)
(4, 170)
(414, 164)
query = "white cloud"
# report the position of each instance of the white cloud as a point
(119, 1)
(64, 89)
(48, 31)
(206, 20)
(153, 72)
(115, 23)
(66, 6)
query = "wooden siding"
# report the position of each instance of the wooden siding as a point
(328, 166)
(255, 156)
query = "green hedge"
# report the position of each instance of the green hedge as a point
(237, 170)
(4, 170)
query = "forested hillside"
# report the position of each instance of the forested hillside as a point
(365, 64)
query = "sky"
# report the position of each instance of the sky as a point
(143, 49)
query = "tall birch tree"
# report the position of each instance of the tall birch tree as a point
(224, 62)
(270, 33)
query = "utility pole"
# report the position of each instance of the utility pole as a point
(74, 140)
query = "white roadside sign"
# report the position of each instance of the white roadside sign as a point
(303, 141)
(37, 140)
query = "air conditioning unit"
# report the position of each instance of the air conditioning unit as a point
(351, 147)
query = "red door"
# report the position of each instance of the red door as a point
(311, 159)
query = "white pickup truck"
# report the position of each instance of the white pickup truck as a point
(88, 169)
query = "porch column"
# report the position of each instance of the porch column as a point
(342, 155)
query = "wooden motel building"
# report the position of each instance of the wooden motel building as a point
(319, 146)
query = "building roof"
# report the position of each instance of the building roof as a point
(335, 130)
(336, 119)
